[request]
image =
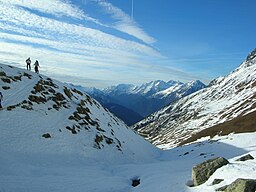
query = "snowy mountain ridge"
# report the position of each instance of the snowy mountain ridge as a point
(51, 117)
(152, 89)
(225, 99)
(144, 99)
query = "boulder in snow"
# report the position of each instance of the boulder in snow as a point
(240, 185)
(245, 158)
(217, 181)
(46, 135)
(135, 182)
(202, 171)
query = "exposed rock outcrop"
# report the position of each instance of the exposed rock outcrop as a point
(245, 158)
(240, 185)
(202, 171)
(217, 181)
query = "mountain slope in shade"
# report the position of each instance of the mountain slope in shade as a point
(144, 99)
(128, 116)
(240, 124)
(225, 99)
(41, 114)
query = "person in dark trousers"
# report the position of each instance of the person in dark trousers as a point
(36, 67)
(28, 61)
(1, 98)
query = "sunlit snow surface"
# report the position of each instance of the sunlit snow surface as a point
(169, 172)
(70, 162)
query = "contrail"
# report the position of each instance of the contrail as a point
(132, 11)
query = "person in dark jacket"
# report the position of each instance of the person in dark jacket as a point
(36, 66)
(28, 61)
(1, 98)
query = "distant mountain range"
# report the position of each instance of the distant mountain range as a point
(133, 103)
(227, 105)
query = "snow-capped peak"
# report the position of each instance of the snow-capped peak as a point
(151, 88)
(225, 99)
(181, 89)
(250, 60)
(251, 56)
(119, 89)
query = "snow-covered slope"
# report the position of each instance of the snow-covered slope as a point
(225, 99)
(76, 159)
(36, 107)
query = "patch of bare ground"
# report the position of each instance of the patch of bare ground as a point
(241, 124)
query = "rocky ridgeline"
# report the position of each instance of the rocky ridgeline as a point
(52, 97)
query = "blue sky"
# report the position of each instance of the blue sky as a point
(100, 42)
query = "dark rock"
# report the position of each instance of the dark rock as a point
(68, 92)
(27, 75)
(17, 78)
(78, 92)
(37, 99)
(217, 181)
(9, 108)
(108, 140)
(252, 55)
(240, 185)
(6, 87)
(202, 171)
(98, 141)
(245, 158)
(59, 97)
(38, 87)
(2, 73)
(73, 130)
(222, 188)
(135, 182)
(6, 80)
(46, 135)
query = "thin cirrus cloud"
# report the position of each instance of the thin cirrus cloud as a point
(39, 29)
(124, 22)
(14, 15)
(54, 7)
(12, 10)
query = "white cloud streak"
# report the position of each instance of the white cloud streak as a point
(45, 27)
(60, 8)
(125, 23)
(54, 7)
(73, 49)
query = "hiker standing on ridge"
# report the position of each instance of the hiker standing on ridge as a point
(28, 61)
(1, 98)
(37, 67)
